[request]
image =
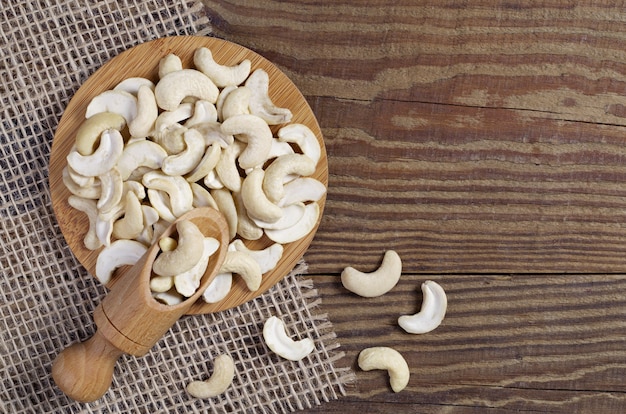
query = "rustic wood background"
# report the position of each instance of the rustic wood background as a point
(485, 142)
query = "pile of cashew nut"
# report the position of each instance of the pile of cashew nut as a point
(149, 152)
(430, 316)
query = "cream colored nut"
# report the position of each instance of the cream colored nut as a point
(221, 75)
(186, 283)
(131, 225)
(276, 339)
(91, 129)
(299, 230)
(207, 163)
(257, 204)
(171, 138)
(245, 266)
(385, 358)
(376, 283)
(175, 86)
(226, 167)
(119, 102)
(267, 258)
(167, 244)
(186, 254)
(226, 205)
(236, 103)
(159, 200)
(177, 188)
(212, 181)
(171, 297)
(161, 284)
(132, 85)
(147, 113)
(150, 217)
(218, 383)
(212, 133)
(167, 119)
(185, 161)
(79, 179)
(218, 288)
(246, 227)
(203, 111)
(105, 221)
(255, 132)
(431, 314)
(117, 254)
(140, 154)
(260, 101)
(87, 206)
(102, 159)
(292, 214)
(136, 187)
(275, 173)
(202, 197)
(168, 64)
(91, 192)
(112, 189)
(304, 138)
(220, 100)
(302, 190)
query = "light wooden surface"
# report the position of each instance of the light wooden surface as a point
(485, 142)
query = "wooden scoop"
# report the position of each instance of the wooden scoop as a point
(129, 319)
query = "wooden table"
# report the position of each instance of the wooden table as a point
(485, 142)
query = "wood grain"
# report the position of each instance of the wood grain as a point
(143, 61)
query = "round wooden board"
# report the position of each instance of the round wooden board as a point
(143, 61)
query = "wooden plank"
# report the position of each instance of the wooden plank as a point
(533, 343)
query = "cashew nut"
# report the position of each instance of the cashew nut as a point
(175, 86)
(236, 103)
(132, 85)
(220, 100)
(266, 258)
(90, 130)
(202, 197)
(171, 297)
(161, 204)
(117, 254)
(212, 133)
(254, 199)
(91, 192)
(245, 266)
(303, 227)
(161, 284)
(218, 288)
(276, 172)
(167, 119)
(188, 159)
(203, 111)
(277, 340)
(206, 164)
(385, 358)
(221, 75)
(102, 159)
(256, 132)
(301, 190)
(147, 113)
(292, 214)
(302, 136)
(186, 283)
(376, 283)
(112, 189)
(226, 167)
(119, 102)
(168, 64)
(186, 254)
(260, 101)
(246, 227)
(87, 206)
(431, 314)
(131, 225)
(178, 189)
(226, 205)
(222, 378)
(140, 154)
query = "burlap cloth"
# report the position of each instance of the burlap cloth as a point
(48, 48)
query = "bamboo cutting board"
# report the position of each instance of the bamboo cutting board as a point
(143, 61)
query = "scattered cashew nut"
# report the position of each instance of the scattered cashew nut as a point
(388, 359)
(277, 340)
(376, 283)
(432, 312)
(218, 383)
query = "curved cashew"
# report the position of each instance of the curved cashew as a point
(226, 167)
(304, 138)
(257, 204)
(136, 187)
(140, 154)
(147, 113)
(171, 138)
(303, 227)
(90, 192)
(221, 75)
(218, 288)
(226, 205)
(301, 190)
(266, 258)
(246, 227)
(131, 225)
(117, 254)
(150, 217)
(132, 85)
(203, 111)
(223, 374)
(220, 100)
(292, 214)
(245, 266)
(282, 166)
(277, 340)
(189, 158)
(87, 206)
(201, 197)
(186, 254)
(178, 189)
(161, 204)
(253, 130)
(212, 133)
(186, 283)
(166, 119)
(102, 159)
(206, 164)
(236, 103)
(90, 130)
(432, 312)
(79, 179)
(260, 102)
(119, 102)
(112, 189)
(104, 223)
(168, 64)
(385, 358)
(175, 86)
(377, 283)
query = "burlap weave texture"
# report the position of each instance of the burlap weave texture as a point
(48, 48)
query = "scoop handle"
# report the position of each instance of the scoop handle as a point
(84, 370)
